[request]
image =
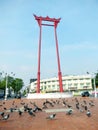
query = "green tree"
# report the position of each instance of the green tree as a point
(2, 84)
(15, 83)
(96, 80)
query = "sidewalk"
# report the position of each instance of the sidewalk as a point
(76, 121)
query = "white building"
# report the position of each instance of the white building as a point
(70, 83)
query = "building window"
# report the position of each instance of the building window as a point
(57, 86)
(69, 79)
(75, 79)
(53, 86)
(87, 79)
(81, 79)
(76, 84)
(88, 84)
(64, 85)
(81, 84)
(48, 86)
(70, 84)
(48, 81)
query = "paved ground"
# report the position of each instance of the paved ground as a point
(76, 121)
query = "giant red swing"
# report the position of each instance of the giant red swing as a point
(55, 23)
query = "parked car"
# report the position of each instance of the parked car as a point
(85, 94)
(1, 95)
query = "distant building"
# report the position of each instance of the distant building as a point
(32, 80)
(70, 83)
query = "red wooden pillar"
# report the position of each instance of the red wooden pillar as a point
(58, 59)
(39, 54)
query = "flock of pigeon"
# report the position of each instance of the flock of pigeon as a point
(80, 105)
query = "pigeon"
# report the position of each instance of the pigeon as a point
(53, 101)
(51, 104)
(85, 102)
(5, 117)
(68, 111)
(44, 106)
(11, 109)
(51, 116)
(29, 108)
(13, 102)
(91, 104)
(3, 102)
(33, 103)
(26, 108)
(22, 103)
(2, 114)
(81, 110)
(5, 108)
(92, 101)
(85, 107)
(47, 101)
(77, 106)
(88, 113)
(57, 101)
(31, 113)
(37, 109)
(20, 112)
(69, 106)
(64, 104)
(1, 105)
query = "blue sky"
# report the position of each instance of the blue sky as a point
(77, 37)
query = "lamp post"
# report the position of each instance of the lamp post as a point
(0, 76)
(6, 77)
(1, 73)
(6, 85)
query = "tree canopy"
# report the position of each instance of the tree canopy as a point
(15, 83)
(96, 79)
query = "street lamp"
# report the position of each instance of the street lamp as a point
(0, 76)
(6, 78)
(1, 73)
